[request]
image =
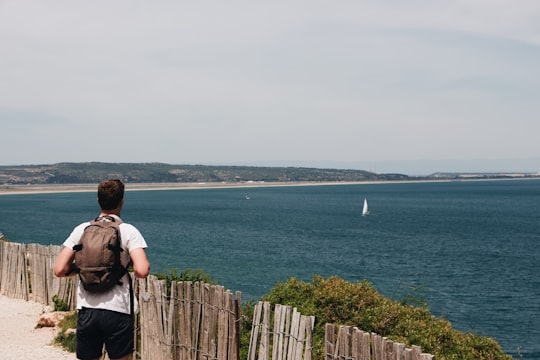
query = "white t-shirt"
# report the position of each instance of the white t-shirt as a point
(117, 299)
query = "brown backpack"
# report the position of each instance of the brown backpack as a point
(97, 256)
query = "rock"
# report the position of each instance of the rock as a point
(51, 319)
(45, 322)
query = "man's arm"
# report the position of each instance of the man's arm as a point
(141, 266)
(64, 262)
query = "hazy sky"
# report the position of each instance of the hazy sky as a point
(251, 82)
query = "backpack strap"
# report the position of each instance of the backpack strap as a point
(108, 218)
(79, 247)
(131, 296)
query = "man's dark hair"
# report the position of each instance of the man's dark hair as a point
(110, 193)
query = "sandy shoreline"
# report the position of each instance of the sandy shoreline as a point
(53, 188)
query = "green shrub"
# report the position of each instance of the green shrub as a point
(334, 300)
(193, 275)
(66, 337)
(59, 304)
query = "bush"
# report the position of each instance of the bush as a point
(66, 338)
(193, 275)
(59, 304)
(334, 300)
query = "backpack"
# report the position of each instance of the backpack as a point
(97, 256)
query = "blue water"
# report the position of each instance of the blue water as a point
(470, 249)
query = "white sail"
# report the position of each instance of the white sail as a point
(365, 210)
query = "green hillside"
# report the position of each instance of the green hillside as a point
(93, 172)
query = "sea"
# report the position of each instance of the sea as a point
(469, 249)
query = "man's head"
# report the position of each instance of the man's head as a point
(110, 194)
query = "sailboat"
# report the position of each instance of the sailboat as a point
(365, 210)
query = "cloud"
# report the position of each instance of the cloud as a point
(232, 82)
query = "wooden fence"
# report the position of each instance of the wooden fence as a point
(14, 276)
(353, 343)
(291, 335)
(197, 321)
(27, 273)
(44, 285)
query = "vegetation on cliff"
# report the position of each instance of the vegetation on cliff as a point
(83, 173)
(94, 172)
(337, 301)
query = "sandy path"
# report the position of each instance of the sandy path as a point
(19, 339)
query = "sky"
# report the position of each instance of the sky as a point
(387, 86)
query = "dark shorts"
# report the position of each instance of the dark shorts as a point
(96, 327)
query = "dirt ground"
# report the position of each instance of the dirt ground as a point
(19, 337)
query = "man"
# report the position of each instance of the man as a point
(106, 318)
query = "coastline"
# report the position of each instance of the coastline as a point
(67, 188)
(54, 188)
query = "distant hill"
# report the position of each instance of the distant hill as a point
(94, 172)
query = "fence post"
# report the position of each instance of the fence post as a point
(329, 341)
(14, 277)
(355, 344)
